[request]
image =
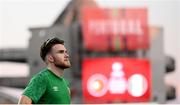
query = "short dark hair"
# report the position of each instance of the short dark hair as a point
(48, 44)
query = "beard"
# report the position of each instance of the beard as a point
(62, 64)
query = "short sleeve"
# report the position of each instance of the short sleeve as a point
(35, 88)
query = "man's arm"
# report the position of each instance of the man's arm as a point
(25, 100)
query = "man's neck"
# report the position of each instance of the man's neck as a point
(57, 71)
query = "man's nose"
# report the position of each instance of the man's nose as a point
(67, 55)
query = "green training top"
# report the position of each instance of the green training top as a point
(47, 88)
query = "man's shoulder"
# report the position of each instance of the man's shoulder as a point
(44, 71)
(42, 74)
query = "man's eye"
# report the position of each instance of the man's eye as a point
(61, 51)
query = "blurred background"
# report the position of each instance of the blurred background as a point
(122, 51)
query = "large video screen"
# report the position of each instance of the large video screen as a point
(109, 80)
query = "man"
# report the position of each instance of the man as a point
(49, 86)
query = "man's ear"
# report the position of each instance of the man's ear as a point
(50, 58)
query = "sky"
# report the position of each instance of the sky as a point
(17, 16)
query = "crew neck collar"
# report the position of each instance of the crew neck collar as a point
(61, 77)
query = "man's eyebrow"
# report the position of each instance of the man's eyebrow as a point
(61, 51)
